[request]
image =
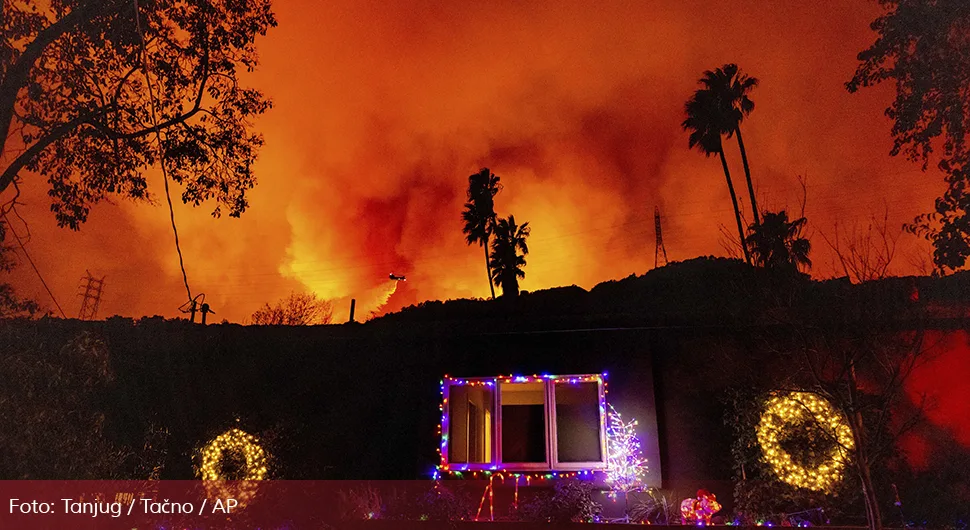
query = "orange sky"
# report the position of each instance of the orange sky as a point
(383, 109)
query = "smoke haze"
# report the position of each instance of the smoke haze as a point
(383, 109)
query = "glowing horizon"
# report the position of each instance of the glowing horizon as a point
(381, 113)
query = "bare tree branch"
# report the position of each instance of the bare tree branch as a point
(865, 255)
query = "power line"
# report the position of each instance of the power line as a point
(324, 276)
(161, 147)
(335, 264)
(32, 265)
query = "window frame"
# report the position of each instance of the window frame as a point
(601, 407)
(447, 383)
(552, 463)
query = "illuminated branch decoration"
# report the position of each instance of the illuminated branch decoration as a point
(784, 412)
(625, 465)
(241, 444)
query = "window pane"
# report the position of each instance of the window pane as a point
(469, 424)
(578, 422)
(523, 422)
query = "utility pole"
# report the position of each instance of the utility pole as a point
(196, 305)
(205, 311)
(660, 240)
(91, 296)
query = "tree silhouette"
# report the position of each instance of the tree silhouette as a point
(865, 255)
(479, 214)
(52, 424)
(12, 305)
(777, 243)
(848, 356)
(304, 309)
(704, 122)
(507, 262)
(922, 48)
(731, 88)
(76, 109)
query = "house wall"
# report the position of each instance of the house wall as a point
(360, 402)
(335, 402)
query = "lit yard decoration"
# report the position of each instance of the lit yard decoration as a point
(792, 409)
(625, 465)
(700, 510)
(243, 445)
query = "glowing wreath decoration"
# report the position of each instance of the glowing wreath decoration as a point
(791, 409)
(233, 441)
(238, 441)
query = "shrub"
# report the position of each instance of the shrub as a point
(572, 500)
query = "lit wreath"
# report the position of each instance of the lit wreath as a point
(242, 443)
(791, 409)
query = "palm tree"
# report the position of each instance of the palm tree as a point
(778, 242)
(479, 213)
(703, 123)
(506, 261)
(731, 88)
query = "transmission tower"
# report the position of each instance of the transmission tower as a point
(660, 240)
(91, 296)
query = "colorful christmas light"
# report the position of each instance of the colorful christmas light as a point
(782, 412)
(700, 510)
(465, 470)
(625, 464)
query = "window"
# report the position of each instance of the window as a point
(471, 425)
(578, 433)
(524, 423)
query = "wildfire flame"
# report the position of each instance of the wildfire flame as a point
(370, 143)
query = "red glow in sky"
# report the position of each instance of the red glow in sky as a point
(382, 110)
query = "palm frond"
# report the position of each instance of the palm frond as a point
(509, 248)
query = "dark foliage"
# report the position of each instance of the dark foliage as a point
(509, 248)
(12, 305)
(303, 309)
(923, 46)
(75, 102)
(777, 242)
(948, 227)
(935, 497)
(479, 214)
(51, 424)
(570, 501)
(704, 292)
(705, 123)
(439, 503)
(758, 494)
(360, 503)
(329, 389)
(731, 88)
(656, 508)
